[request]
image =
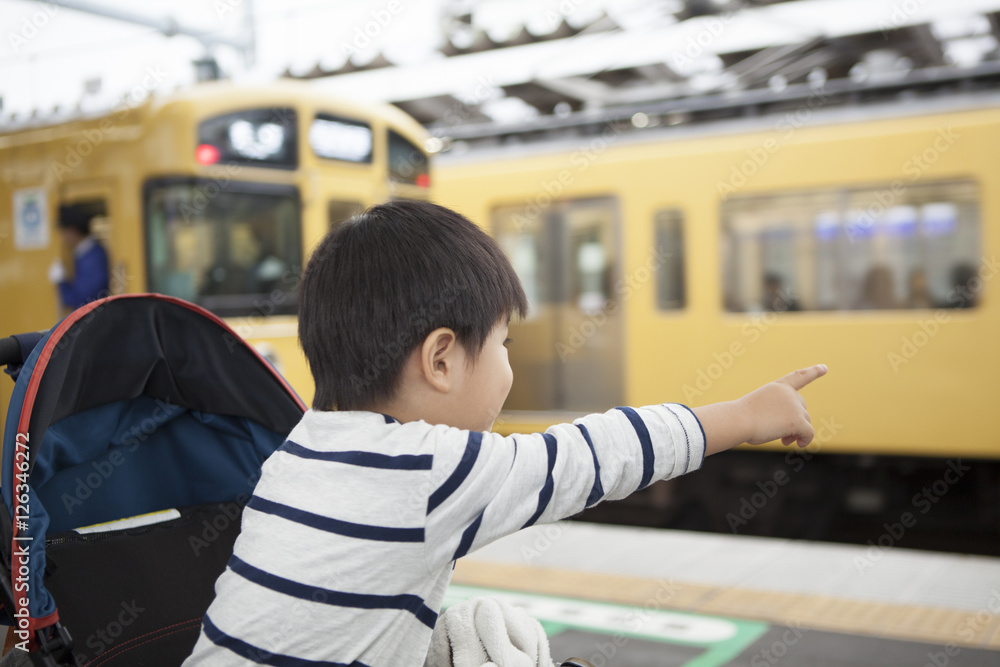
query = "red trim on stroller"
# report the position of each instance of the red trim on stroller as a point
(32, 390)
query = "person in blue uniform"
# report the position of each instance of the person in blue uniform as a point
(90, 262)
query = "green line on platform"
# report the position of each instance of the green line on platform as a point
(718, 652)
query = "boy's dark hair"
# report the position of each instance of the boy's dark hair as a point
(379, 283)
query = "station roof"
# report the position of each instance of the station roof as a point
(703, 49)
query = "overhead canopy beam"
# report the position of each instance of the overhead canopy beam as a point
(168, 26)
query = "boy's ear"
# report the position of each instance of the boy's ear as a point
(438, 358)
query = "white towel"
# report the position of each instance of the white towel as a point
(486, 632)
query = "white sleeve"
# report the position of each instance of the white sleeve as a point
(485, 486)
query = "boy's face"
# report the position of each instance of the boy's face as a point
(484, 384)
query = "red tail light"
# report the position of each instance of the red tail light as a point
(206, 154)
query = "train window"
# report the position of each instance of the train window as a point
(336, 138)
(407, 163)
(520, 236)
(892, 247)
(236, 251)
(589, 265)
(339, 211)
(669, 246)
(255, 137)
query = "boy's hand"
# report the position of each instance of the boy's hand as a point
(774, 411)
(777, 410)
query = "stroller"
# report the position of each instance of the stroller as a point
(135, 435)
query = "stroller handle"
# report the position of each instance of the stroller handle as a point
(10, 351)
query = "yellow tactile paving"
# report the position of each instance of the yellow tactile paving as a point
(610, 588)
(751, 604)
(994, 632)
(834, 614)
(843, 615)
(939, 625)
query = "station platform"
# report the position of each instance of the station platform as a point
(632, 597)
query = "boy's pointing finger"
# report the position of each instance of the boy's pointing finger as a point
(800, 378)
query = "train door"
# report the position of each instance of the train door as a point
(567, 354)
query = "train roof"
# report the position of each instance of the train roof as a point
(929, 92)
(221, 95)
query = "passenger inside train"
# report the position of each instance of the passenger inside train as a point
(404, 320)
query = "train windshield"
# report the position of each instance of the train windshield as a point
(235, 249)
(407, 163)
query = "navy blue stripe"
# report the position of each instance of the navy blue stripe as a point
(259, 655)
(346, 528)
(468, 536)
(687, 440)
(704, 440)
(545, 495)
(363, 459)
(390, 420)
(645, 443)
(461, 472)
(405, 601)
(597, 490)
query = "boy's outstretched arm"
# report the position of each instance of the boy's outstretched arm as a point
(774, 411)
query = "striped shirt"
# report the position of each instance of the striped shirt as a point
(349, 540)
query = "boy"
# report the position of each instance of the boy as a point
(349, 540)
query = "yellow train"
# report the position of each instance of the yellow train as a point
(694, 264)
(216, 195)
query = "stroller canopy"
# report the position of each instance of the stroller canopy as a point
(132, 404)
